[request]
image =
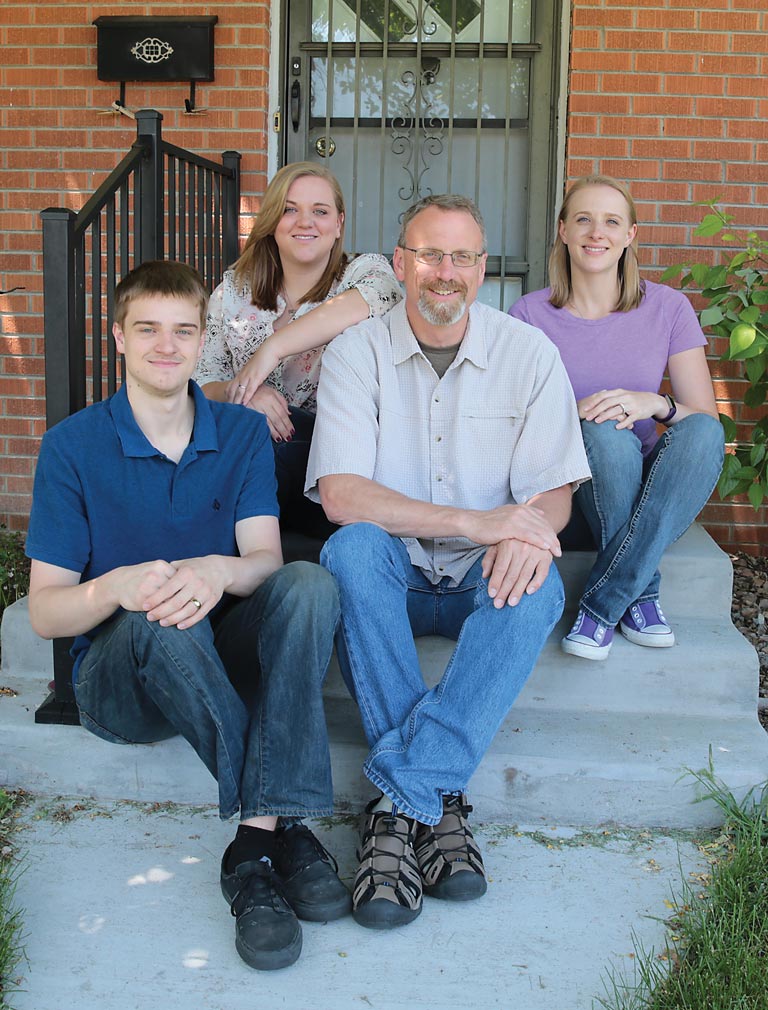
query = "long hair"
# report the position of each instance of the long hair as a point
(630, 285)
(259, 264)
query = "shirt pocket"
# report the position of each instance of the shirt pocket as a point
(489, 433)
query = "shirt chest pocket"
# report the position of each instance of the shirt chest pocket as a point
(488, 434)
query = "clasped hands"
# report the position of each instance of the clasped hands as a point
(175, 593)
(624, 406)
(516, 562)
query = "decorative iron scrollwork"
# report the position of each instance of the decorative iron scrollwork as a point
(417, 134)
(419, 23)
(152, 50)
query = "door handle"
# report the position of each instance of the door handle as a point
(295, 105)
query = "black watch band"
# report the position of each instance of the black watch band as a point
(672, 410)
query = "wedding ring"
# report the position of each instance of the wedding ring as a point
(240, 385)
(623, 408)
(196, 602)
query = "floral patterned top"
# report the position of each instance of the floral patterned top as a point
(236, 327)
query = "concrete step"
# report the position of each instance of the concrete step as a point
(586, 742)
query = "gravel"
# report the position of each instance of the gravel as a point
(749, 610)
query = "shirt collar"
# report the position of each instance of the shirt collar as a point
(405, 345)
(135, 443)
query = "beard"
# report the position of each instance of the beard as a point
(439, 313)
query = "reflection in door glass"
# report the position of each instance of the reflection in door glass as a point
(434, 17)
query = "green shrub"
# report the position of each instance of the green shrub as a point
(736, 296)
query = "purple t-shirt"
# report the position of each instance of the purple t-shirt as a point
(624, 350)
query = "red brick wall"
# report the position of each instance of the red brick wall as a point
(670, 96)
(56, 148)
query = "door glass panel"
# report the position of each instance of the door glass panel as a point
(504, 88)
(435, 19)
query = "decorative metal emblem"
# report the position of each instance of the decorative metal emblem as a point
(417, 135)
(152, 50)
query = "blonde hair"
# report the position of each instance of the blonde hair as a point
(162, 279)
(259, 264)
(631, 288)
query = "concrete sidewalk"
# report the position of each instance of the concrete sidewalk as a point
(123, 912)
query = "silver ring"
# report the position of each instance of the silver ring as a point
(240, 385)
(623, 408)
(196, 602)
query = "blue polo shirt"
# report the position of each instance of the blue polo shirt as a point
(105, 497)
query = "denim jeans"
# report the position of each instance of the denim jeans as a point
(425, 743)
(637, 507)
(245, 690)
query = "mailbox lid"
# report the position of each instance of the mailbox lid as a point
(155, 48)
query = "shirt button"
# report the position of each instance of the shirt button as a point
(441, 569)
(439, 438)
(437, 399)
(438, 479)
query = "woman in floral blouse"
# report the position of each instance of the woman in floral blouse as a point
(292, 291)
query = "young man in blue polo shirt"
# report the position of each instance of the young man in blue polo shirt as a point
(154, 541)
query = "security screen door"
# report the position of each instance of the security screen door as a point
(402, 98)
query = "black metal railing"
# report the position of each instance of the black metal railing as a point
(161, 202)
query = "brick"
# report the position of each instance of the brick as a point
(632, 83)
(666, 63)
(660, 148)
(754, 129)
(602, 17)
(737, 65)
(600, 104)
(585, 82)
(634, 41)
(745, 173)
(585, 39)
(661, 191)
(667, 19)
(747, 87)
(727, 150)
(680, 84)
(750, 43)
(741, 108)
(602, 147)
(631, 169)
(697, 42)
(693, 127)
(661, 105)
(630, 126)
(729, 21)
(586, 60)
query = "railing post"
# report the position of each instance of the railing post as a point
(64, 357)
(151, 243)
(231, 160)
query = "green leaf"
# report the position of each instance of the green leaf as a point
(710, 225)
(729, 430)
(755, 368)
(756, 494)
(755, 395)
(757, 453)
(737, 260)
(711, 315)
(671, 272)
(760, 296)
(750, 315)
(746, 473)
(700, 273)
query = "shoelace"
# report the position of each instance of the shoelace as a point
(393, 876)
(304, 848)
(260, 886)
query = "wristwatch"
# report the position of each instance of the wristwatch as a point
(672, 410)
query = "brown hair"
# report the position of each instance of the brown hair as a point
(631, 288)
(259, 264)
(163, 278)
(443, 201)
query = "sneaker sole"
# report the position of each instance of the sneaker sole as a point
(650, 641)
(585, 651)
(321, 913)
(269, 960)
(383, 914)
(464, 886)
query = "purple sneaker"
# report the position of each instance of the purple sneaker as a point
(588, 639)
(645, 624)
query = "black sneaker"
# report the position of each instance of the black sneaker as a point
(449, 860)
(309, 876)
(267, 932)
(387, 891)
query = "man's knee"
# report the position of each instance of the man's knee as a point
(304, 586)
(353, 544)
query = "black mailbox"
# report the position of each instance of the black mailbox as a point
(155, 48)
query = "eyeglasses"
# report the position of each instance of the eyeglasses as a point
(434, 257)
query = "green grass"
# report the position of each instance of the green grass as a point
(717, 950)
(11, 950)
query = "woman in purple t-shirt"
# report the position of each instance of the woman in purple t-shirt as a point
(617, 336)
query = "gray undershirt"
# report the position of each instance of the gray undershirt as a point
(440, 358)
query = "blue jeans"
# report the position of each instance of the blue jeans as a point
(636, 507)
(245, 690)
(425, 743)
